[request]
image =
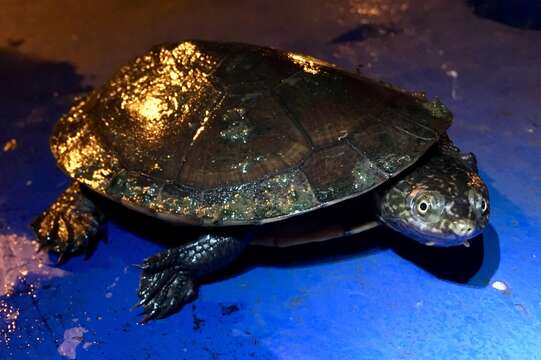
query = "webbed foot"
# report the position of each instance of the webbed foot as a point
(170, 279)
(165, 292)
(69, 225)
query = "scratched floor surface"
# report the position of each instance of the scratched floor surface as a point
(374, 296)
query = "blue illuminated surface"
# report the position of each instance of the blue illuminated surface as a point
(373, 296)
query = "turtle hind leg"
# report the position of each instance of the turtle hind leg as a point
(70, 224)
(170, 278)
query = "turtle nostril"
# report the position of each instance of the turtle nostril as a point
(462, 228)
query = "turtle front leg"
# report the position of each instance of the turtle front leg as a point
(170, 278)
(70, 223)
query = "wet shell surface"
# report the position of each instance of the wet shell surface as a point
(216, 133)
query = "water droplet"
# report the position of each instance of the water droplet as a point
(10, 145)
(236, 132)
(501, 286)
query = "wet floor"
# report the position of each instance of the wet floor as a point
(369, 297)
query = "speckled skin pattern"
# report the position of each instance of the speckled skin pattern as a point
(222, 134)
(440, 202)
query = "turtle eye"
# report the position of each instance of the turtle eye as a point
(478, 202)
(484, 206)
(423, 206)
(427, 205)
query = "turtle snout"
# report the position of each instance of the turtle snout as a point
(463, 228)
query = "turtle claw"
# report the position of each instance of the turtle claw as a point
(164, 292)
(160, 261)
(169, 279)
(149, 316)
(62, 257)
(69, 225)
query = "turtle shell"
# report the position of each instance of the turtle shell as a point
(216, 133)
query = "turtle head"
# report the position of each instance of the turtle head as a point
(441, 201)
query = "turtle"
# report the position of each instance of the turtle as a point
(226, 137)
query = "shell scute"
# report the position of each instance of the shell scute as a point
(225, 134)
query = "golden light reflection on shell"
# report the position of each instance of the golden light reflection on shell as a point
(82, 155)
(143, 136)
(309, 64)
(154, 95)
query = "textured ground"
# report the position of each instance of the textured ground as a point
(373, 296)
